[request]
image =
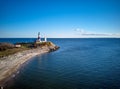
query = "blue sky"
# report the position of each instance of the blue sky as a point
(60, 18)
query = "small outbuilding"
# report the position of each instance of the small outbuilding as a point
(17, 45)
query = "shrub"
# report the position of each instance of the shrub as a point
(4, 46)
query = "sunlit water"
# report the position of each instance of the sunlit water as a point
(78, 64)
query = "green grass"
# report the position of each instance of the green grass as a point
(41, 44)
(24, 46)
(11, 51)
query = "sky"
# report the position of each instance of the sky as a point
(59, 18)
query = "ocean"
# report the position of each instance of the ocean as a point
(80, 63)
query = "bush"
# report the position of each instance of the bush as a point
(4, 46)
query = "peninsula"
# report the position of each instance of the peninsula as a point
(13, 56)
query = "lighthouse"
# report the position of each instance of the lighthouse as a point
(39, 39)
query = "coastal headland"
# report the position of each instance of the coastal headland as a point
(11, 62)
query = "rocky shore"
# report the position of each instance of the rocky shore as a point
(11, 63)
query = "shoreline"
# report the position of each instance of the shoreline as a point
(10, 64)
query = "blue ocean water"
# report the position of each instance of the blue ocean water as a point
(85, 63)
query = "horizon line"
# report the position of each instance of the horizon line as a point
(59, 37)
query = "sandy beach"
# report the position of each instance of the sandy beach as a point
(10, 64)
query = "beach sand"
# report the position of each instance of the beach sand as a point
(10, 64)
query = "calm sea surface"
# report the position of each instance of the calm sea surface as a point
(78, 64)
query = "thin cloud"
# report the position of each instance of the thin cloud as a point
(82, 32)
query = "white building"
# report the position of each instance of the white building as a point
(45, 39)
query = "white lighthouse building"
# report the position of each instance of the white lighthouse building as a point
(45, 39)
(39, 38)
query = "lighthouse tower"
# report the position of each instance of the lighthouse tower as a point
(39, 38)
